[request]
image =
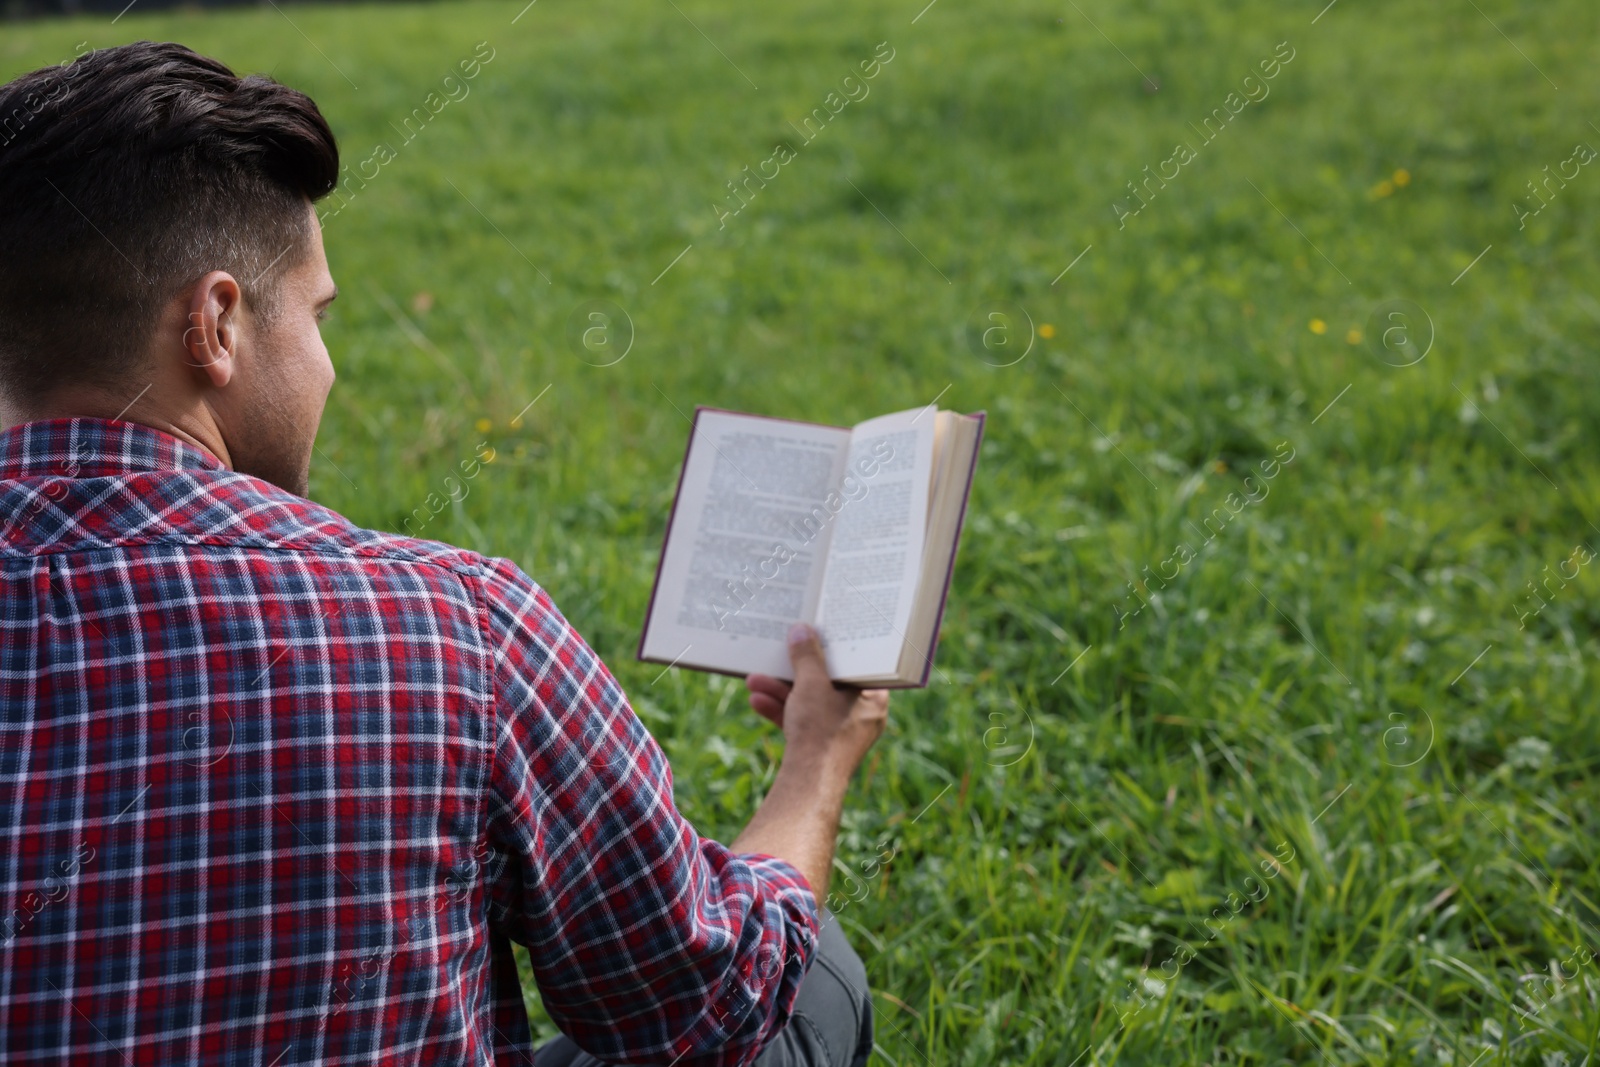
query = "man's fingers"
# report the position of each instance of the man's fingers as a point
(768, 708)
(767, 696)
(770, 686)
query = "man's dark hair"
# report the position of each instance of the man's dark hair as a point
(125, 176)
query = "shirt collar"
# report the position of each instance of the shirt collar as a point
(89, 448)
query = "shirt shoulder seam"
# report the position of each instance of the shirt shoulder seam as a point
(489, 704)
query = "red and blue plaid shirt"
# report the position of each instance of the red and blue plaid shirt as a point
(278, 790)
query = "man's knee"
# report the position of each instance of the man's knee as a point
(831, 1024)
(835, 952)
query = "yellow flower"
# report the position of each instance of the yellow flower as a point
(488, 455)
(1402, 177)
(1317, 326)
(1383, 189)
(1046, 330)
(484, 425)
(516, 423)
(1352, 336)
(1220, 467)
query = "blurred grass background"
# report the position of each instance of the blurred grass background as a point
(1302, 684)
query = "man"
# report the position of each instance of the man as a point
(279, 790)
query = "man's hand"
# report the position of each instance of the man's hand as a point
(827, 730)
(818, 717)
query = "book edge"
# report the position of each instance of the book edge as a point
(772, 418)
(950, 572)
(699, 667)
(666, 535)
(906, 684)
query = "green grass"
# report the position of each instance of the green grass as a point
(1075, 823)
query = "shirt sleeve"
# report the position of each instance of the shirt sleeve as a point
(649, 943)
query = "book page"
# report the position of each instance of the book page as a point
(875, 557)
(757, 504)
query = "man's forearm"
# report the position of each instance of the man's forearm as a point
(799, 819)
(827, 729)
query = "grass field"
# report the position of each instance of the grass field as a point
(1348, 685)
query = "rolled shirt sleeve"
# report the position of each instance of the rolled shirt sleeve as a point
(649, 943)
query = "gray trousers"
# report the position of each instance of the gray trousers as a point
(831, 1025)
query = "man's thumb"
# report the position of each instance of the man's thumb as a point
(805, 650)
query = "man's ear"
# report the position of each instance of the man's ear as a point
(213, 333)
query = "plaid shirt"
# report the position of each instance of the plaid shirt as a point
(278, 790)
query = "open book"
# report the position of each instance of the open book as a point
(852, 530)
